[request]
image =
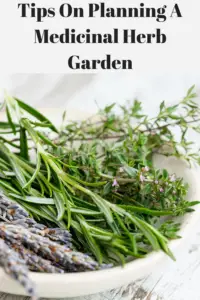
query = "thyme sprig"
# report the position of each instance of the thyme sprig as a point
(132, 122)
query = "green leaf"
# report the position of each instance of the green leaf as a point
(46, 140)
(85, 212)
(35, 114)
(60, 205)
(8, 187)
(12, 125)
(6, 125)
(91, 241)
(118, 254)
(136, 109)
(145, 230)
(146, 190)
(39, 124)
(130, 235)
(190, 90)
(132, 172)
(107, 188)
(23, 144)
(109, 108)
(9, 142)
(85, 204)
(35, 200)
(64, 115)
(162, 106)
(193, 203)
(36, 171)
(165, 174)
(171, 109)
(146, 211)
(105, 209)
(161, 239)
(18, 172)
(68, 201)
(38, 211)
(94, 184)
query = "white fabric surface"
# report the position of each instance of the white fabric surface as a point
(83, 91)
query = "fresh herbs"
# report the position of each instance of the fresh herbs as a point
(96, 178)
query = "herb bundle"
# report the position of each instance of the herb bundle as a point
(94, 179)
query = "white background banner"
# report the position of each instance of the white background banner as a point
(19, 53)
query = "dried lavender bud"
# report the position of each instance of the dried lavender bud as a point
(60, 254)
(39, 226)
(33, 261)
(4, 200)
(58, 235)
(16, 267)
(12, 212)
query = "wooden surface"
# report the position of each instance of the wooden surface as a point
(173, 281)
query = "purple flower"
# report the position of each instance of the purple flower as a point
(115, 183)
(161, 190)
(146, 169)
(156, 182)
(142, 178)
(172, 178)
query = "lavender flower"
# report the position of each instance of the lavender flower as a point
(60, 254)
(33, 261)
(142, 178)
(115, 183)
(61, 236)
(14, 213)
(145, 169)
(172, 178)
(16, 267)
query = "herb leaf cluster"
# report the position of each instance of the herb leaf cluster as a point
(96, 178)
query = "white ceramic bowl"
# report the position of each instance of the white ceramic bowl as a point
(79, 284)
